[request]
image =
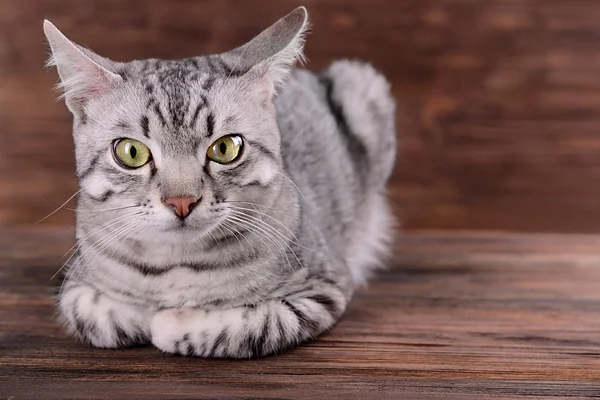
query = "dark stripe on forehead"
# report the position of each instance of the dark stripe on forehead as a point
(192, 61)
(195, 144)
(208, 83)
(145, 126)
(212, 69)
(159, 114)
(145, 65)
(178, 107)
(122, 125)
(210, 125)
(199, 107)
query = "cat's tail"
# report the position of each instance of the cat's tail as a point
(362, 103)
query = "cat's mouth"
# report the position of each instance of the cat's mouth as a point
(185, 226)
(191, 228)
(181, 225)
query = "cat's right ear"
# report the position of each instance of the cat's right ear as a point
(83, 74)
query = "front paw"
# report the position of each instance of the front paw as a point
(170, 331)
(101, 321)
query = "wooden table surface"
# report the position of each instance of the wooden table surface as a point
(457, 315)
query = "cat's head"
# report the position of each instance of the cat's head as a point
(176, 140)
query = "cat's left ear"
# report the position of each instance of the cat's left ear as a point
(273, 53)
(83, 73)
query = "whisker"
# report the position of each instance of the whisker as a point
(267, 235)
(201, 239)
(272, 229)
(143, 230)
(112, 222)
(231, 228)
(102, 212)
(246, 202)
(103, 209)
(260, 237)
(102, 245)
(83, 258)
(59, 207)
(124, 238)
(266, 215)
(80, 242)
(312, 228)
(232, 232)
(296, 186)
(275, 232)
(88, 217)
(212, 236)
(117, 235)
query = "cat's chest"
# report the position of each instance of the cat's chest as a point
(184, 285)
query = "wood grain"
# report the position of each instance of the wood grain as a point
(499, 100)
(457, 315)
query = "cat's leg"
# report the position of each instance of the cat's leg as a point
(100, 320)
(247, 331)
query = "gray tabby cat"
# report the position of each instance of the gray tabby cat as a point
(229, 204)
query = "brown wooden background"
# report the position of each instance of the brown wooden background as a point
(499, 113)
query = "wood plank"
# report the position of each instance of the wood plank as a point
(498, 99)
(456, 315)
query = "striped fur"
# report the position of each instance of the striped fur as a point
(280, 238)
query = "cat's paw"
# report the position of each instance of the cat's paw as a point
(171, 332)
(101, 321)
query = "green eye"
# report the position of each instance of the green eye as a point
(225, 149)
(131, 153)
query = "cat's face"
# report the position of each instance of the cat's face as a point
(155, 140)
(182, 143)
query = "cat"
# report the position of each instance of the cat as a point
(229, 205)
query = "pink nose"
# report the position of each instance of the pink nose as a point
(181, 205)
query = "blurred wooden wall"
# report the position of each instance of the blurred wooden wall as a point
(499, 100)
